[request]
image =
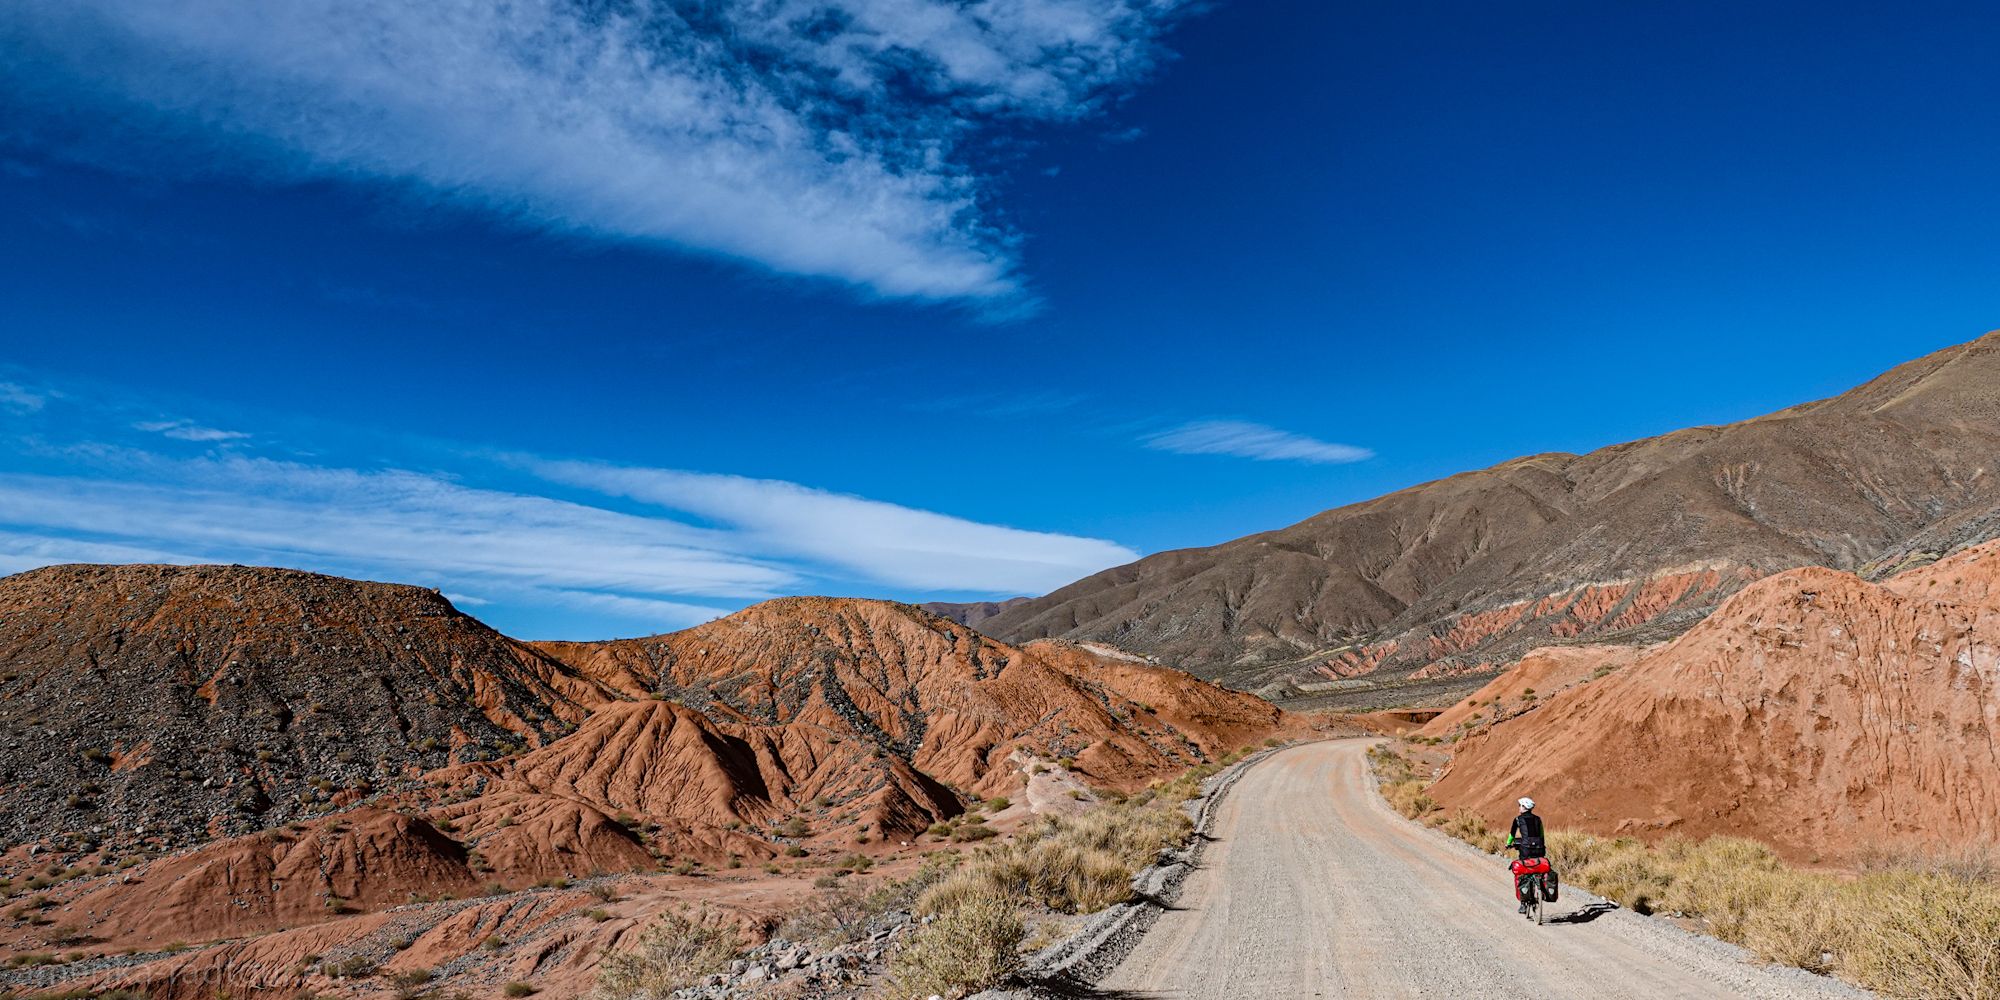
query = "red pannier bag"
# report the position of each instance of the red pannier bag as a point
(1533, 866)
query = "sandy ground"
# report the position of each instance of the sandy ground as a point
(1315, 888)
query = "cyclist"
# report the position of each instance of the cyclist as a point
(1526, 836)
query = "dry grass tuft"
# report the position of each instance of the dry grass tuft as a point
(965, 948)
(1908, 926)
(1077, 864)
(677, 951)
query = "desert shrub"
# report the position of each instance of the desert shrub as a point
(1470, 827)
(410, 982)
(1625, 872)
(840, 913)
(1924, 935)
(1804, 923)
(1723, 879)
(351, 967)
(971, 945)
(973, 831)
(676, 951)
(1970, 864)
(998, 803)
(518, 989)
(1077, 864)
(1408, 798)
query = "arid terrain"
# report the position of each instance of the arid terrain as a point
(1815, 711)
(234, 779)
(1428, 590)
(225, 778)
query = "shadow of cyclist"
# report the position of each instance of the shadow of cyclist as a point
(1584, 915)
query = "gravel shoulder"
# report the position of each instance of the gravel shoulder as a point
(1315, 888)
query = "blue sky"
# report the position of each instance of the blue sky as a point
(606, 319)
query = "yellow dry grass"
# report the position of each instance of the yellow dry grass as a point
(675, 951)
(1908, 926)
(1077, 864)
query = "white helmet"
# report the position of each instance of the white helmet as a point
(1526, 804)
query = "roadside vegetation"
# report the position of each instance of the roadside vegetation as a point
(974, 906)
(1921, 928)
(677, 950)
(977, 916)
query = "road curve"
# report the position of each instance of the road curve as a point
(1315, 888)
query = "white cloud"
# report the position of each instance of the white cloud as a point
(23, 551)
(646, 609)
(20, 398)
(187, 430)
(881, 541)
(1247, 440)
(394, 525)
(812, 137)
(521, 549)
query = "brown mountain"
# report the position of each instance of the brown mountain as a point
(1633, 542)
(1816, 711)
(972, 612)
(172, 704)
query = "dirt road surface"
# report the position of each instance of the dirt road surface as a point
(1315, 888)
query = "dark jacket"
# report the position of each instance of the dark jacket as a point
(1526, 836)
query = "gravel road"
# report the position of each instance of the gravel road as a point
(1315, 888)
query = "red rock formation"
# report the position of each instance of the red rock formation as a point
(285, 877)
(1542, 673)
(953, 703)
(1815, 711)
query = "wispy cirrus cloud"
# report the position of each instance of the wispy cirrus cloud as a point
(563, 544)
(21, 399)
(757, 538)
(1244, 439)
(390, 524)
(188, 430)
(825, 138)
(879, 541)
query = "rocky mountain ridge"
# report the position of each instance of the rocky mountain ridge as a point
(172, 704)
(1630, 543)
